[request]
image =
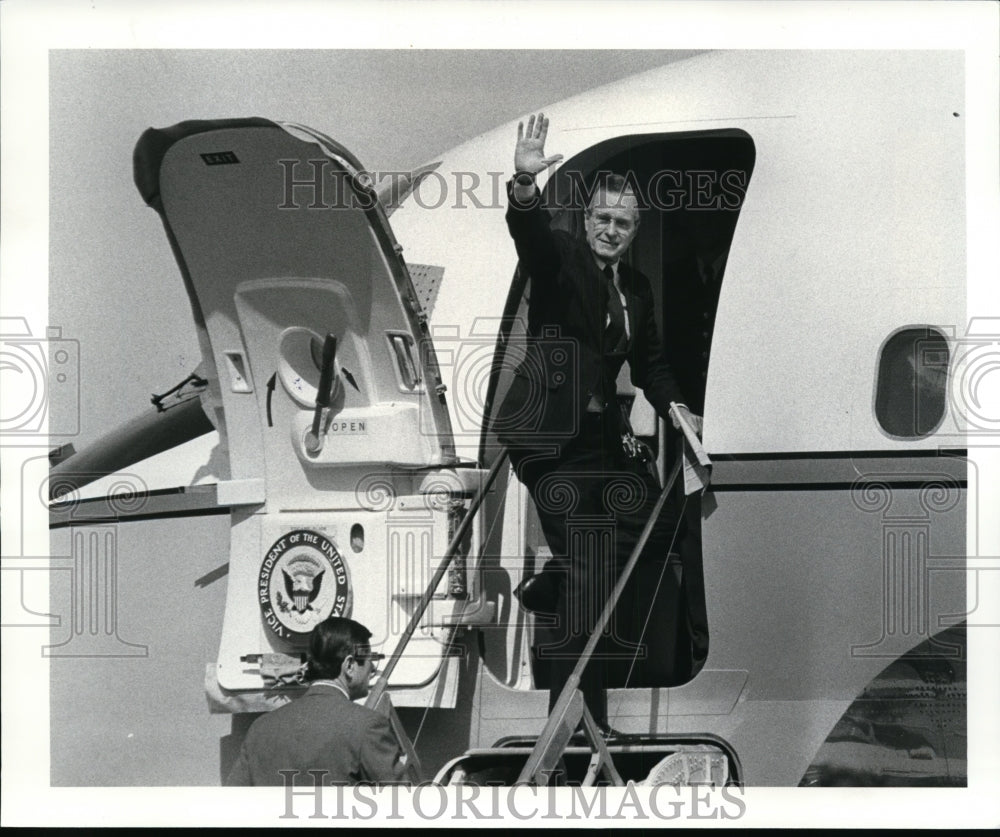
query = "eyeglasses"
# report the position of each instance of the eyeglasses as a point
(605, 219)
(375, 656)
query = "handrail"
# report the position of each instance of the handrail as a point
(375, 696)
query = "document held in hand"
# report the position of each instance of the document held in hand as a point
(697, 465)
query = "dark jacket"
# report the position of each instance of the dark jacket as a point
(564, 364)
(322, 730)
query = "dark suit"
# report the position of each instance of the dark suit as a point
(591, 500)
(322, 730)
(569, 303)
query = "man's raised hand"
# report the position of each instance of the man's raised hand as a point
(529, 153)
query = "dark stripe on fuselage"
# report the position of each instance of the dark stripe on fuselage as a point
(837, 471)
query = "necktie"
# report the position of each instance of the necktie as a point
(614, 334)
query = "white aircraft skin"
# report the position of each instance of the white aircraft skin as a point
(852, 229)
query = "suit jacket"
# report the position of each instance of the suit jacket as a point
(564, 364)
(322, 730)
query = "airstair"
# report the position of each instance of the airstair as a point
(571, 749)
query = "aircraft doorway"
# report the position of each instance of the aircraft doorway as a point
(691, 187)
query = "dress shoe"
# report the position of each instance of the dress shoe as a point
(608, 733)
(539, 593)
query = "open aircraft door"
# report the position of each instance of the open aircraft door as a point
(343, 485)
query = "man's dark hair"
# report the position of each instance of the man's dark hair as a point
(615, 184)
(333, 641)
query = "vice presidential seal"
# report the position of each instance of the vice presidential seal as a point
(303, 580)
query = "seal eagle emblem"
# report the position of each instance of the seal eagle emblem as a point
(303, 580)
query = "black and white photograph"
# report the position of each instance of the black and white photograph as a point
(442, 414)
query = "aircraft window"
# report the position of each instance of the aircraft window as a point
(911, 385)
(357, 537)
(406, 369)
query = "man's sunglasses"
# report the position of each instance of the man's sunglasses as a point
(374, 656)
